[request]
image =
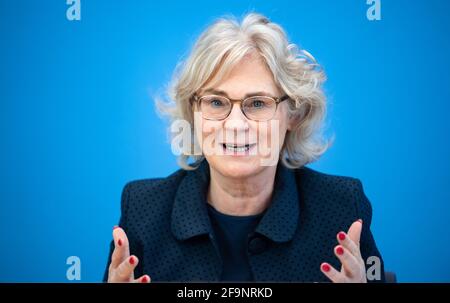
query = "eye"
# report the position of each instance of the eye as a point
(216, 103)
(257, 104)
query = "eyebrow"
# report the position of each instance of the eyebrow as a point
(223, 93)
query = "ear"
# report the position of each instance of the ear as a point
(300, 116)
(292, 122)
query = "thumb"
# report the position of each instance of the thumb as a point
(354, 232)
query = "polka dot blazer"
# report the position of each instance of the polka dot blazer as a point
(169, 229)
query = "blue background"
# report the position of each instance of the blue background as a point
(77, 120)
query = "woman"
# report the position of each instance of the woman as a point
(247, 208)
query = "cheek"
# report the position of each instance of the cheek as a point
(276, 129)
(283, 118)
(209, 134)
(210, 130)
(203, 128)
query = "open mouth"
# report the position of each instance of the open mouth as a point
(238, 148)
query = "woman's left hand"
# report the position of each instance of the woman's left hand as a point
(353, 269)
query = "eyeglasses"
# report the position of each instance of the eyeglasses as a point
(257, 108)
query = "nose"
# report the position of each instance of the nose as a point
(236, 121)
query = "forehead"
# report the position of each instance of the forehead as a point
(250, 74)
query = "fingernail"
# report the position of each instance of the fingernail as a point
(119, 242)
(340, 250)
(131, 260)
(360, 221)
(326, 267)
(115, 226)
(341, 236)
(144, 279)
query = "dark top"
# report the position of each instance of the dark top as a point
(231, 233)
(169, 229)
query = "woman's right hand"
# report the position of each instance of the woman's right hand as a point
(121, 269)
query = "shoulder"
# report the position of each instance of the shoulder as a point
(341, 192)
(153, 195)
(143, 187)
(328, 182)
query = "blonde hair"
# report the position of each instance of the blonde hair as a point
(220, 47)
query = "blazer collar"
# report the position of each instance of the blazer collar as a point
(190, 215)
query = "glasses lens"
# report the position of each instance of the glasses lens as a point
(259, 108)
(215, 107)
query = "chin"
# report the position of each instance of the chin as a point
(236, 167)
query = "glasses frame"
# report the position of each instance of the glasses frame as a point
(277, 101)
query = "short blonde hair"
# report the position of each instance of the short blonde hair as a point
(220, 47)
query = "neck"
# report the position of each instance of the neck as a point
(241, 196)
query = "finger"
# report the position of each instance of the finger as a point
(350, 264)
(345, 240)
(143, 279)
(121, 250)
(332, 274)
(125, 271)
(354, 232)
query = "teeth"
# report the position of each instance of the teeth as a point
(235, 148)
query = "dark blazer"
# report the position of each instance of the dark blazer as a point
(169, 230)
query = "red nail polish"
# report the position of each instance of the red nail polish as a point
(144, 279)
(326, 267)
(131, 260)
(341, 236)
(119, 242)
(340, 250)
